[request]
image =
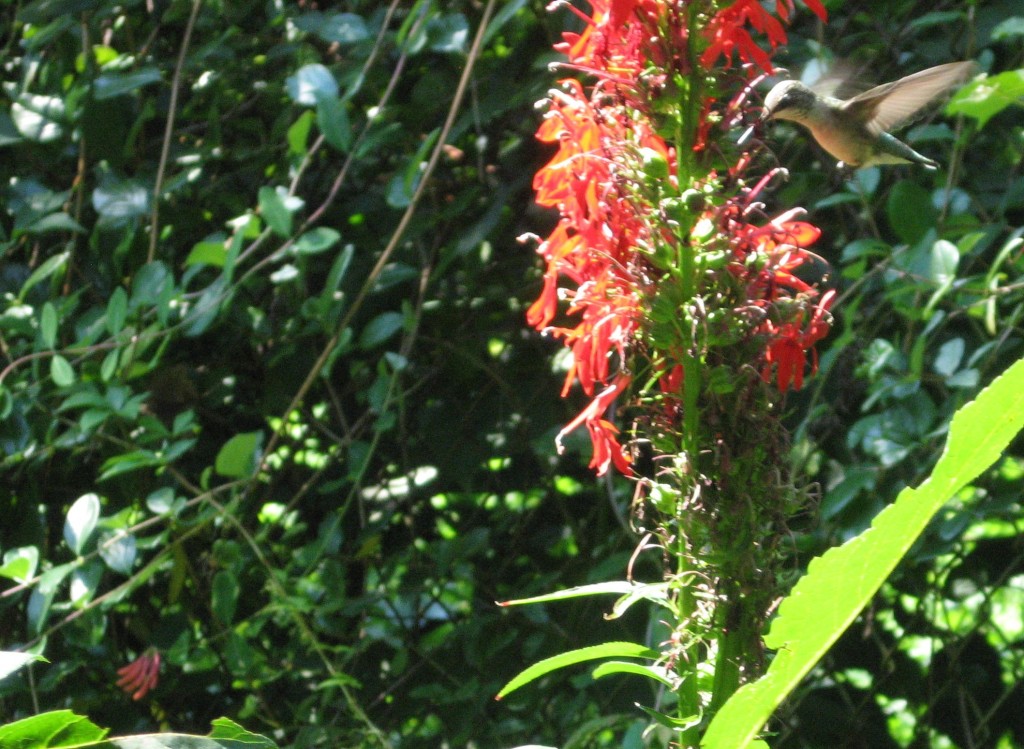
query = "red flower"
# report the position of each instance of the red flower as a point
(141, 675)
(790, 342)
(727, 33)
(607, 450)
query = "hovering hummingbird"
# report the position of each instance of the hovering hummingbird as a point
(855, 130)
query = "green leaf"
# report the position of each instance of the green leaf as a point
(44, 271)
(581, 655)
(910, 211)
(448, 33)
(117, 310)
(119, 552)
(20, 564)
(11, 662)
(1009, 27)
(224, 597)
(332, 119)
(986, 98)
(298, 134)
(225, 729)
(239, 456)
(657, 673)
(53, 730)
(117, 199)
(839, 584)
(310, 84)
(81, 521)
(343, 28)
(316, 241)
(380, 329)
(654, 591)
(109, 85)
(275, 211)
(48, 324)
(61, 371)
(210, 251)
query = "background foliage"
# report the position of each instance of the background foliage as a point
(195, 202)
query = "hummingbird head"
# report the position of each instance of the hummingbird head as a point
(789, 100)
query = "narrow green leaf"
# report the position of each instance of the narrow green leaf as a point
(653, 591)
(117, 310)
(48, 324)
(44, 271)
(657, 673)
(109, 85)
(582, 655)
(316, 241)
(839, 584)
(224, 596)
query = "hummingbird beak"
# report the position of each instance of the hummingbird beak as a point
(766, 115)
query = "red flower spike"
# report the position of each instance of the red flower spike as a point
(141, 675)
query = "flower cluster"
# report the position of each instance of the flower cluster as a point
(141, 675)
(727, 30)
(608, 230)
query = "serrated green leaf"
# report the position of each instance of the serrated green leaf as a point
(53, 730)
(839, 584)
(571, 658)
(986, 98)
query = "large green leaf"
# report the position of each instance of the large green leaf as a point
(841, 582)
(63, 729)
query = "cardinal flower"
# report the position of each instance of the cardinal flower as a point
(141, 675)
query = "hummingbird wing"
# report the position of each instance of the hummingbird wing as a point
(888, 106)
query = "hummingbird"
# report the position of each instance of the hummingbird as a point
(855, 130)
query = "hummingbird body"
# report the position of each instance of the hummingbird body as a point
(855, 130)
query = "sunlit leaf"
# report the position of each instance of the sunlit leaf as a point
(81, 521)
(839, 584)
(581, 655)
(239, 456)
